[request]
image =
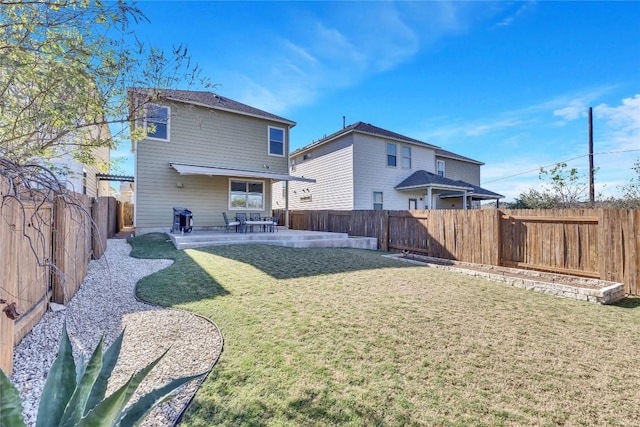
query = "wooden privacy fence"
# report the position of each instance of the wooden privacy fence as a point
(45, 249)
(597, 243)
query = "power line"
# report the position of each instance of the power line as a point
(561, 161)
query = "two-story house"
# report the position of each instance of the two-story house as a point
(365, 167)
(206, 153)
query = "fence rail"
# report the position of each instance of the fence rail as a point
(597, 243)
(45, 249)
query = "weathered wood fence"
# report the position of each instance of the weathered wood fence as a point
(45, 249)
(598, 243)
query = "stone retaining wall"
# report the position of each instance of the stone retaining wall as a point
(578, 288)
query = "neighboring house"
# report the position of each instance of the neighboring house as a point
(205, 153)
(80, 177)
(365, 167)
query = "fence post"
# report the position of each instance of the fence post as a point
(8, 281)
(385, 231)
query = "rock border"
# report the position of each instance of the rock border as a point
(572, 287)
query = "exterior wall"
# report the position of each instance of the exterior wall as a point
(73, 177)
(459, 170)
(331, 166)
(371, 172)
(203, 137)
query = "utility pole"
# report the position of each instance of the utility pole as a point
(592, 191)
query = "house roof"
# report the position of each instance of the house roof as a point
(364, 128)
(423, 179)
(478, 192)
(448, 154)
(211, 100)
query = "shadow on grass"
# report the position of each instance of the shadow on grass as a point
(629, 302)
(290, 263)
(182, 282)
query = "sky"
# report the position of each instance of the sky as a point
(505, 83)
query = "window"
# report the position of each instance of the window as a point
(406, 157)
(391, 155)
(157, 122)
(377, 200)
(440, 167)
(84, 181)
(276, 141)
(246, 195)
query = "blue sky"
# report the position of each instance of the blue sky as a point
(506, 83)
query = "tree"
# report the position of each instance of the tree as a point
(64, 65)
(534, 199)
(564, 185)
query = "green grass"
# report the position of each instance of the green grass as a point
(321, 337)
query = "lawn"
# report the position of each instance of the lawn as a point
(320, 337)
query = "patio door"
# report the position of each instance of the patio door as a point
(413, 204)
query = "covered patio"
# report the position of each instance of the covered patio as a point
(439, 191)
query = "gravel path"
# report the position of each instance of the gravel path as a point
(104, 305)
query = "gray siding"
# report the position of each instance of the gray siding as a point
(199, 136)
(331, 166)
(372, 173)
(459, 170)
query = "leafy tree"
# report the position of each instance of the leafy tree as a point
(64, 65)
(566, 186)
(534, 199)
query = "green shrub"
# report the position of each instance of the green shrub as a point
(76, 396)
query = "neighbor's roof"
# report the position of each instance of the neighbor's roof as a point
(479, 191)
(448, 154)
(422, 178)
(211, 100)
(365, 128)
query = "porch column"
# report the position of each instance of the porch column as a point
(464, 201)
(286, 204)
(429, 198)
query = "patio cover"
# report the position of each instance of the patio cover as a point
(183, 169)
(423, 180)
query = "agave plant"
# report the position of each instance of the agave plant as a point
(76, 396)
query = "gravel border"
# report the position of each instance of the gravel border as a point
(104, 305)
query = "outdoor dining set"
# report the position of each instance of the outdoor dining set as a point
(243, 223)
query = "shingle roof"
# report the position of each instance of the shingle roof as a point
(448, 154)
(365, 128)
(479, 191)
(211, 100)
(423, 178)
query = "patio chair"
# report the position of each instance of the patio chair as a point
(228, 224)
(275, 219)
(241, 217)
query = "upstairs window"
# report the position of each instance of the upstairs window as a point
(276, 141)
(406, 157)
(392, 158)
(440, 167)
(157, 122)
(247, 195)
